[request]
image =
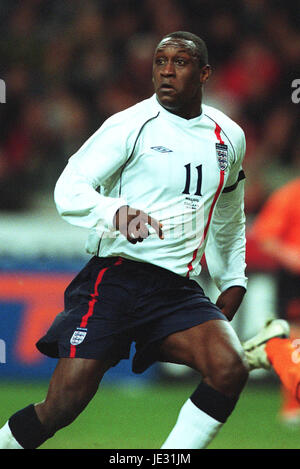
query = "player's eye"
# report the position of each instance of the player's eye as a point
(160, 61)
(180, 62)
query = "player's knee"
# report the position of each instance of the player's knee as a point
(230, 375)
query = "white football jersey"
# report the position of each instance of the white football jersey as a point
(185, 173)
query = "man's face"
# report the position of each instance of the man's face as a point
(177, 76)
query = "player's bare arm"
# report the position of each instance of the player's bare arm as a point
(230, 300)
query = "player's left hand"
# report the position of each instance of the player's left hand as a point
(230, 300)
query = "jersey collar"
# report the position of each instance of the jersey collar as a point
(173, 117)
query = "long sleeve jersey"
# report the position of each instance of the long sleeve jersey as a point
(185, 173)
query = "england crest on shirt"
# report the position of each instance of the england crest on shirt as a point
(222, 155)
(78, 336)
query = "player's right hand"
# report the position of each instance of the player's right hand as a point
(132, 223)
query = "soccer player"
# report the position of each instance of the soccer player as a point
(273, 348)
(277, 232)
(158, 184)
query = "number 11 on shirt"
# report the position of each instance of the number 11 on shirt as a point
(188, 179)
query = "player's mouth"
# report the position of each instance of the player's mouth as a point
(166, 87)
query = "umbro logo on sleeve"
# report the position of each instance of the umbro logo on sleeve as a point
(161, 149)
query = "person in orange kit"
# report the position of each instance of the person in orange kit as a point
(277, 232)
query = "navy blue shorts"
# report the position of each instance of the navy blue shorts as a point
(114, 302)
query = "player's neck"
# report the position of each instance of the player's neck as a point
(187, 111)
(186, 114)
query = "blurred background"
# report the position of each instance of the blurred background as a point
(67, 66)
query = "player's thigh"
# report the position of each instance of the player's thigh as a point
(207, 347)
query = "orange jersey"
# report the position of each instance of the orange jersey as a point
(280, 217)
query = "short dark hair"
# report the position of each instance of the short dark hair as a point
(201, 48)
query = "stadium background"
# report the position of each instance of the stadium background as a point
(69, 65)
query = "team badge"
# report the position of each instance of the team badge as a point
(222, 155)
(78, 336)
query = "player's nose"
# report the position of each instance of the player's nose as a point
(168, 69)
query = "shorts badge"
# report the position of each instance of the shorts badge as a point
(78, 336)
(222, 155)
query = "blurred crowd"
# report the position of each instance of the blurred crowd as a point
(68, 65)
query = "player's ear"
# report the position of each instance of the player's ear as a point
(205, 73)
